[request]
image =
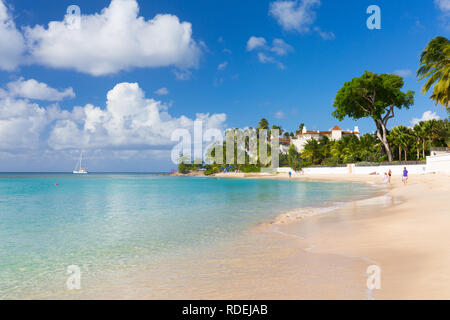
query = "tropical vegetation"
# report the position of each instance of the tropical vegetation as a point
(435, 66)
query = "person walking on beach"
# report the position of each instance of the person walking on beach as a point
(390, 175)
(386, 178)
(290, 174)
(405, 176)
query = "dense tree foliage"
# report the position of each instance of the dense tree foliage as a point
(435, 65)
(376, 96)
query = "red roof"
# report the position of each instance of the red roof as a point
(336, 128)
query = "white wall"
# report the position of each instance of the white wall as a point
(326, 170)
(285, 170)
(439, 164)
(396, 170)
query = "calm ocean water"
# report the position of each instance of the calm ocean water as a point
(106, 222)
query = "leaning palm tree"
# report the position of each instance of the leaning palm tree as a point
(435, 65)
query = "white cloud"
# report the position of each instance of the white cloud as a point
(32, 89)
(325, 35)
(295, 15)
(280, 47)
(129, 122)
(22, 123)
(115, 39)
(403, 72)
(443, 5)
(11, 41)
(427, 115)
(255, 43)
(222, 66)
(162, 91)
(263, 58)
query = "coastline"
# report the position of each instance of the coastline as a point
(325, 256)
(405, 236)
(403, 232)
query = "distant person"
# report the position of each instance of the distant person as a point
(386, 178)
(390, 175)
(405, 176)
(290, 174)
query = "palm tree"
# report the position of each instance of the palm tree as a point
(394, 137)
(312, 150)
(427, 128)
(405, 139)
(435, 65)
(417, 134)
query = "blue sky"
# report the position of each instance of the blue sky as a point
(290, 76)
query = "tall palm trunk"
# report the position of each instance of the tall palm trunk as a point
(406, 158)
(399, 153)
(418, 149)
(423, 148)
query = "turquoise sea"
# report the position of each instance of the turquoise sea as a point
(109, 222)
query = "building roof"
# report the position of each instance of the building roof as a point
(336, 128)
(284, 141)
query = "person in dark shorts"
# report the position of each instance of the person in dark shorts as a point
(390, 175)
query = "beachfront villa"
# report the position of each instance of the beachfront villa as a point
(302, 137)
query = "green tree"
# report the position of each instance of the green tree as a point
(263, 124)
(300, 128)
(435, 65)
(376, 96)
(417, 134)
(402, 137)
(312, 151)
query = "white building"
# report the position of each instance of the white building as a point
(335, 134)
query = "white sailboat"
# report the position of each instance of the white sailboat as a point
(79, 169)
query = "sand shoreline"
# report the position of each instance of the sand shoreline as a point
(407, 238)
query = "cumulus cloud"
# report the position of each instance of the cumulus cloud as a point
(22, 123)
(294, 15)
(130, 121)
(11, 41)
(32, 89)
(403, 73)
(255, 43)
(115, 39)
(162, 91)
(427, 115)
(265, 52)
